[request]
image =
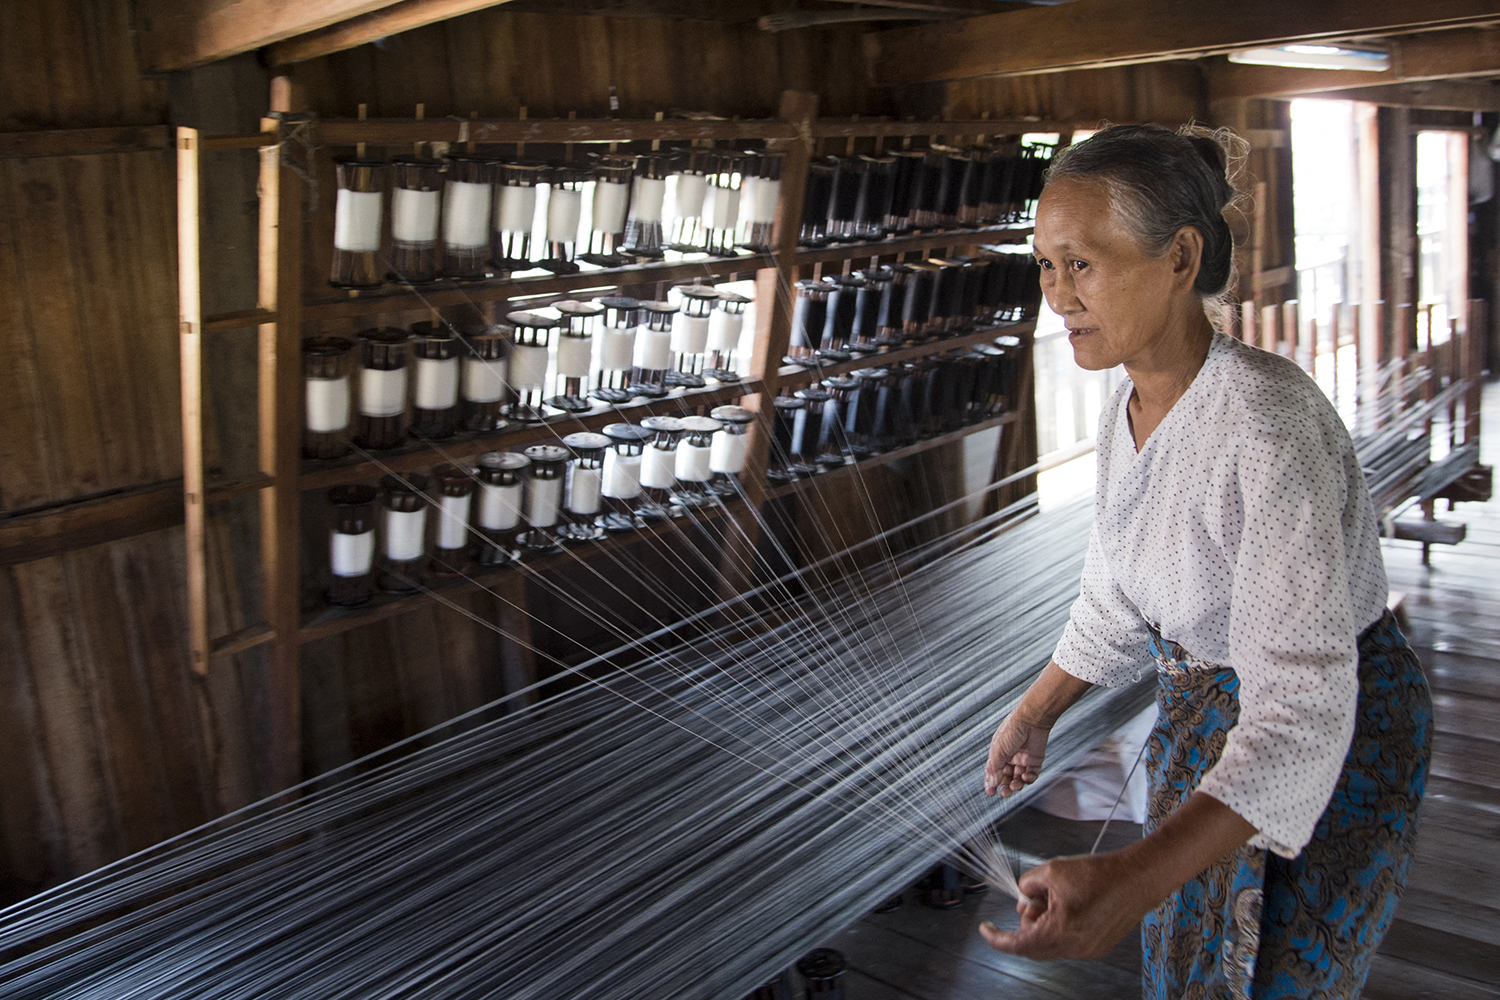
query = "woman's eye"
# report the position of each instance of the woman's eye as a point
(1045, 263)
(1079, 265)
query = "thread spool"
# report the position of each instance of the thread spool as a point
(515, 215)
(690, 329)
(531, 336)
(351, 545)
(729, 448)
(689, 192)
(435, 410)
(693, 468)
(453, 500)
(466, 218)
(783, 467)
(916, 313)
(816, 200)
(834, 443)
(544, 496)
(326, 396)
(498, 505)
(357, 218)
(809, 316)
(872, 204)
(575, 349)
(564, 213)
(927, 183)
(584, 500)
(653, 350)
(486, 352)
(865, 329)
(808, 436)
(904, 182)
(622, 476)
(403, 521)
(726, 323)
(383, 373)
(615, 337)
(838, 323)
(867, 423)
(643, 225)
(760, 193)
(613, 178)
(889, 325)
(659, 467)
(721, 209)
(848, 175)
(416, 214)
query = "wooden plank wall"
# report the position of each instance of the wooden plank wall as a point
(1170, 93)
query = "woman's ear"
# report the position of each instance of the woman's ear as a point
(1187, 255)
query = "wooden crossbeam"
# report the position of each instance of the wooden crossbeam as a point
(392, 20)
(1095, 33)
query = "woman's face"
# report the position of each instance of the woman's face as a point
(1118, 303)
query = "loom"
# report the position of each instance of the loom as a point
(717, 795)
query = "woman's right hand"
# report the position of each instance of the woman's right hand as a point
(1016, 754)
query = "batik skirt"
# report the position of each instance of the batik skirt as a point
(1260, 925)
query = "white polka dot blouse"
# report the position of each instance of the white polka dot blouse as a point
(1244, 532)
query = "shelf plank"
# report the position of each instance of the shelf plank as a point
(242, 639)
(85, 141)
(322, 475)
(405, 131)
(886, 457)
(239, 319)
(915, 243)
(445, 294)
(331, 621)
(827, 128)
(797, 377)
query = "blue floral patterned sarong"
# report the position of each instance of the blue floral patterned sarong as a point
(1259, 925)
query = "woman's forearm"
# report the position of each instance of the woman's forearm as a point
(1050, 695)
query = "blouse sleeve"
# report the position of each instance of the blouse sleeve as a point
(1292, 637)
(1105, 641)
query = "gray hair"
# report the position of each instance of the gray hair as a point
(1160, 181)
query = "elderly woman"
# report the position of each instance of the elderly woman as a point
(1235, 547)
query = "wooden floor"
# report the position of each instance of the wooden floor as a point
(1446, 938)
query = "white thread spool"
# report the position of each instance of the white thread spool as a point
(404, 530)
(351, 555)
(691, 191)
(653, 349)
(723, 208)
(564, 208)
(616, 348)
(659, 468)
(484, 380)
(647, 197)
(622, 475)
(724, 330)
(499, 506)
(573, 356)
(694, 463)
(759, 202)
(466, 215)
(437, 383)
(528, 366)
(382, 392)
(727, 453)
(327, 404)
(356, 221)
(689, 333)
(586, 490)
(515, 211)
(453, 522)
(543, 499)
(414, 216)
(610, 203)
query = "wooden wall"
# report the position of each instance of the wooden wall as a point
(1170, 93)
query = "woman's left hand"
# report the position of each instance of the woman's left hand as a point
(1083, 906)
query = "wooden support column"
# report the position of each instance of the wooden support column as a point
(774, 294)
(282, 200)
(1398, 226)
(190, 347)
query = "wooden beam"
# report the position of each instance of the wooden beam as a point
(49, 531)
(1093, 33)
(1439, 55)
(1457, 95)
(84, 141)
(181, 34)
(392, 20)
(190, 350)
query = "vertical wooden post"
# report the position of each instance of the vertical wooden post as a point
(1291, 333)
(190, 347)
(773, 327)
(1248, 331)
(280, 442)
(1270, 317)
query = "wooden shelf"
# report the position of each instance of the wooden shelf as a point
(885, 457)
(329, 621)
(421, 455)
(915, 243)
(798, 376)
